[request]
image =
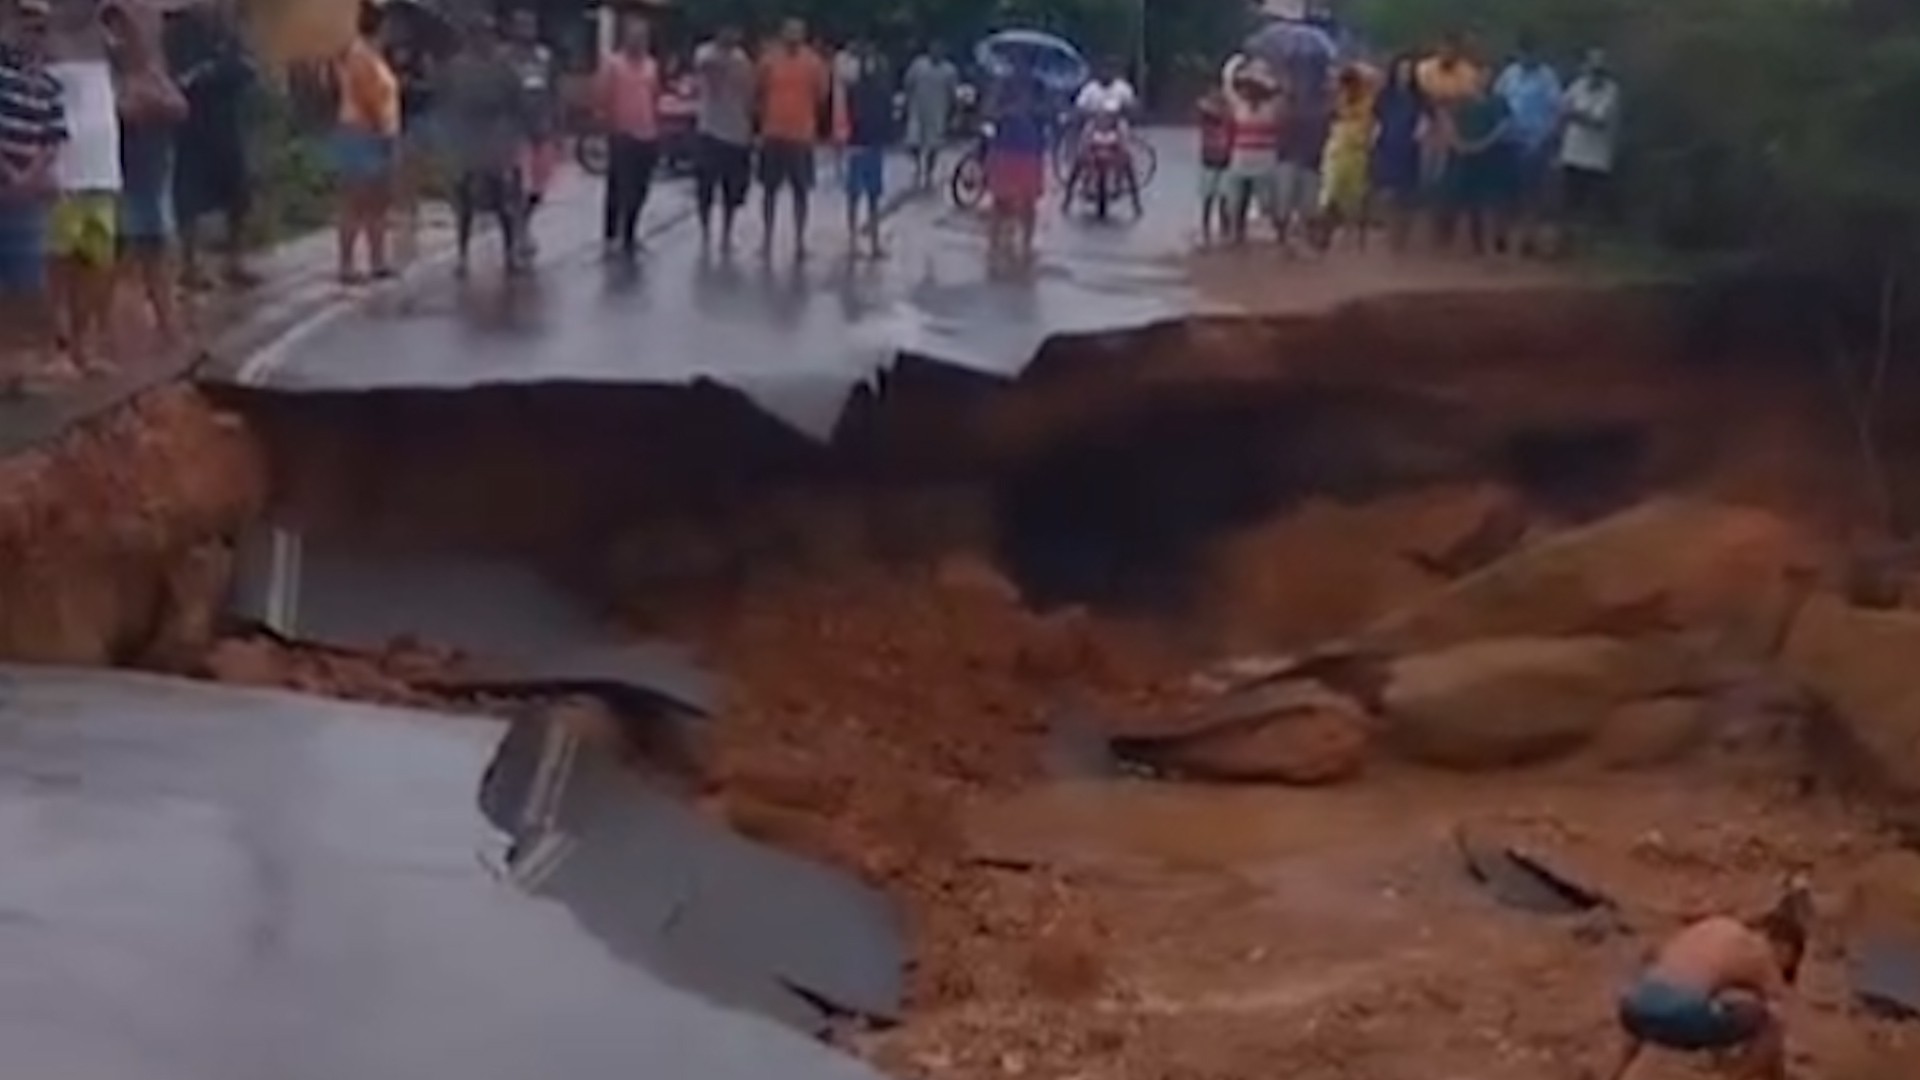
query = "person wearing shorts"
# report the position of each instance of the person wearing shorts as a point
(151, 107)
(363, 148)
(484, 105)
(1253, 166)
(83, 232)
(794, 85)
(1022, 117)
(723, 148)
(540, 143)
(1216, 154)
(869, 97)
(32, 128)
(212, 177)
(1533, 94)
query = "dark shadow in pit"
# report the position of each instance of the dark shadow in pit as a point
(1578, 473)
(1122, 517)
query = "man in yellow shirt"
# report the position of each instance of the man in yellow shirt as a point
(363, 147)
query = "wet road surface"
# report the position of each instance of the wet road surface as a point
(797, 338)
(209, 883)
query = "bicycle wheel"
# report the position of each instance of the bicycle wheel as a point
(968, 187)
(1066, 146)
(1146, 160)
(590, 151)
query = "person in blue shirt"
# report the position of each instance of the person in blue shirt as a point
(1533, 94)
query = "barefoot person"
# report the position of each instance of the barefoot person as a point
(363, 149)
(723, 145)
(932, 86)
(212, 177)
(1717, 986)
(151, 108)
(84, 239)
(485, 108)
(869, 99)
(627, 98)
(32, 127)
(794, 86)
(1016, 163)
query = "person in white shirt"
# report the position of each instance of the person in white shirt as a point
(1588, 145)
(1106, 102)
(83, 243)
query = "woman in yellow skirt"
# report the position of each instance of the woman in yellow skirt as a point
(1343, 188)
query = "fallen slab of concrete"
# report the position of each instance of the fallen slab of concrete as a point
(211, 883)
(520, 633)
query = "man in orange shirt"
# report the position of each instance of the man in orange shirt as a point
(793, 85)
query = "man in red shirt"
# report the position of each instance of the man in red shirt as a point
(793, 86)
(627, 94)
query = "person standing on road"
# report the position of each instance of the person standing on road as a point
(485, 108)
(1483, 172)
(932, 84)
(627, 98)
(794, 86)
(84, 238)
(1400, 116)
(870, 123)
(540, 146)
(1022, 116)
(363, 148)
(1533, 93)
(723, 154)
(210, 65)
(413, 60)
(32, 127)
(1449, 79)
(1257, 111)
(151, 109)
(1587, 150)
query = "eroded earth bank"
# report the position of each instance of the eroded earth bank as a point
(1166, 686)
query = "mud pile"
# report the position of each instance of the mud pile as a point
(115, 535)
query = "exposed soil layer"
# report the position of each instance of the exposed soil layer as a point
(901, 614)
(115, 535)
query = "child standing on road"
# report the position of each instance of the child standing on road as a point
(869, 109)
(1343, 191)
(86, 217)
(1253, 173)
(151, 108)
(1216, 153)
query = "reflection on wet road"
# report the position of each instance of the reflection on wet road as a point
(206, 883)
(796, 338)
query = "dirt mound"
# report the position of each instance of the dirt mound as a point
(114, 536)
(868, 708)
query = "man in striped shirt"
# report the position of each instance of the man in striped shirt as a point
(32, 129)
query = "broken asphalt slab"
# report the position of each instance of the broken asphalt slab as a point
(211, 883)
(745, 923)
(522, 633)
(1885, 974)
(1520, 881)
(797, 340)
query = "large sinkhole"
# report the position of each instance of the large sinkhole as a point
(678, 492)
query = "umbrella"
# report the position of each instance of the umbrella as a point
(1057, 63)
(1303, 53)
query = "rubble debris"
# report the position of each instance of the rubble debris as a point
(1860, 664)
(1657, 731)
(1885, 976)
(1295, 732)
(1666, 565)
(1504, 702)
(1522, 881)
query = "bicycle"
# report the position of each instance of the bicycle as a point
(1066, 149)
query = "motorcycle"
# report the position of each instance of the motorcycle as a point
(1105, 168)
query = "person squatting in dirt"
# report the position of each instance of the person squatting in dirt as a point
(1717, 986)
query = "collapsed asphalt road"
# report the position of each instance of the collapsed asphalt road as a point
(796, 338)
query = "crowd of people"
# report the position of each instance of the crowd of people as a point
(1514, 159)
(494, 110)
(118, 138)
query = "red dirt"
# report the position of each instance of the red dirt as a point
(113, 536)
